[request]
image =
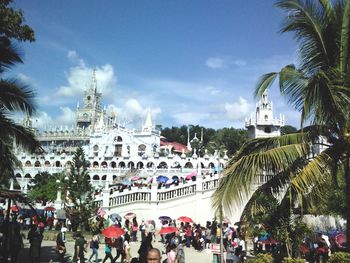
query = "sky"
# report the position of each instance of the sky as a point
(188, 62)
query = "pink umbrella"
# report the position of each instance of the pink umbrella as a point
(101, 212)
(130, 215)
(190, 175)
(135, 178)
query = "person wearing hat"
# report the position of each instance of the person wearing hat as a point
(61, 243)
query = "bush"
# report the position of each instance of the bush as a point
(293, 260)
(262, 258)
(339, 257)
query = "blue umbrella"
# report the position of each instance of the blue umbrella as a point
(162, 179)
(164, 218)
(115, 217)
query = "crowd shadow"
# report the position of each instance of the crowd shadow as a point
(48, 253)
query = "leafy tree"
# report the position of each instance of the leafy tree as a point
(319, 88)
(43, 187)
(80, 189)
(12, 23)
(288, 129)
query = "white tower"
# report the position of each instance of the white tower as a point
(263, 124)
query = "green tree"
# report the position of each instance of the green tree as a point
(12, 23)
(288, 129)
(319, 88)
(43, 187)
(80, 189)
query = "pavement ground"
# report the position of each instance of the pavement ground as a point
(48, 252)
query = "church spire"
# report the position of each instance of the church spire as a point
(93, 85)
(148, 123)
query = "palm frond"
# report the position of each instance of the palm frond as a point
(305, 19)
(236, 183)
(344, 38)
(9, 55)
(16, 96)
(264, 83)
(22, 135)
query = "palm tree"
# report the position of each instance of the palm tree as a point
(319, 87)
(14, 97)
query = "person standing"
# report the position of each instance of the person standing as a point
(80, 245)
(94, 245)
(146, 245)
(126, 255)
(61, 243)
(108, 251)
(119, 247)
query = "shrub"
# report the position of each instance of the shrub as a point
(293, 260)
(339, 257)
(262, 258)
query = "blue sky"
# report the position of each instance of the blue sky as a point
(190, 62)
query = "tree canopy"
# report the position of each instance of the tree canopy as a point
(12, 23)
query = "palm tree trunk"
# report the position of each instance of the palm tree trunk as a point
(347, 193)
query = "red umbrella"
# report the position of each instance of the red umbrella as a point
(185, 219)
(113, 232)
(130, 215)
(168, 230)
(15, 208)
(50, 208)
(340, 240)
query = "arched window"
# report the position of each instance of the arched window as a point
(104, 177)
(131, 165)
(211, 165)
(95, 164)
(163, 165)
(95, 148)
(28, 164)
(96, 177)
(150, 165)
(188, 165)
(58, 164)
(104, 164)
(139, 165)
(18, 175)
(47, 164)
(121, 165)
(37, 164)
(113, 165)
(27, 176)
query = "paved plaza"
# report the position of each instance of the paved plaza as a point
(48, 252)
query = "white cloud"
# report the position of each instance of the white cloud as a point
(239, 62)
(191, 117)
(44, 121)
(79, 78)
(238, 110)
(224, 62)
(74, 57)
(215, 63)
